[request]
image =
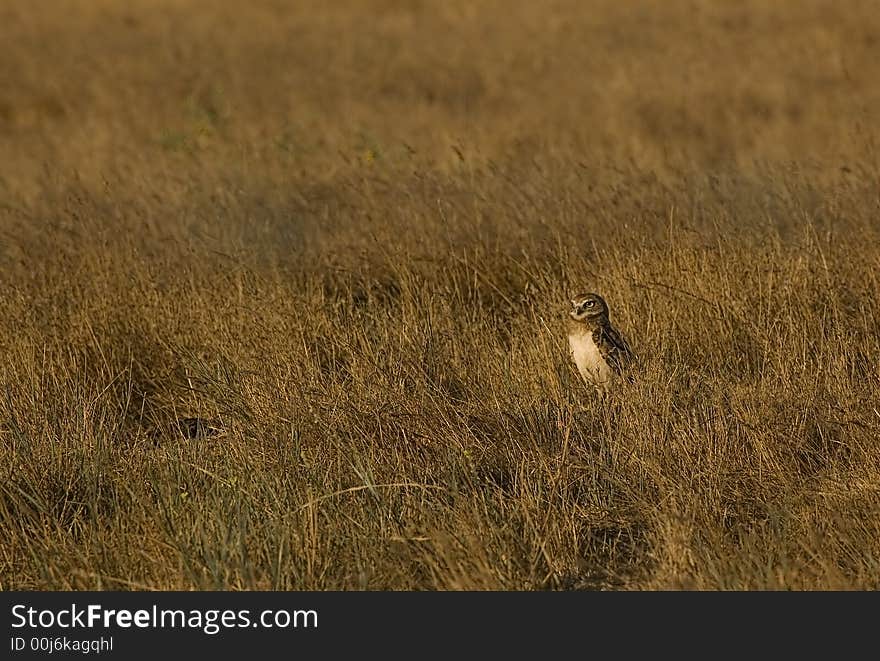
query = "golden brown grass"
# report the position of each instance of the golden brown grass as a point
(348, 231)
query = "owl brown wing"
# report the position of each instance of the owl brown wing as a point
(613, 348)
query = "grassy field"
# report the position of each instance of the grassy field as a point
(348, 231)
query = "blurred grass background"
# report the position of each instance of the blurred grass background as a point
(349, 231)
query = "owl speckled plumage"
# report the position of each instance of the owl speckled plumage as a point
(597, 348)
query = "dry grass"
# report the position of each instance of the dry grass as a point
(348, 230)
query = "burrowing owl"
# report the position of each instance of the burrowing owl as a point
(598, 350)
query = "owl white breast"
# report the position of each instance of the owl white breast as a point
(590, 363)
